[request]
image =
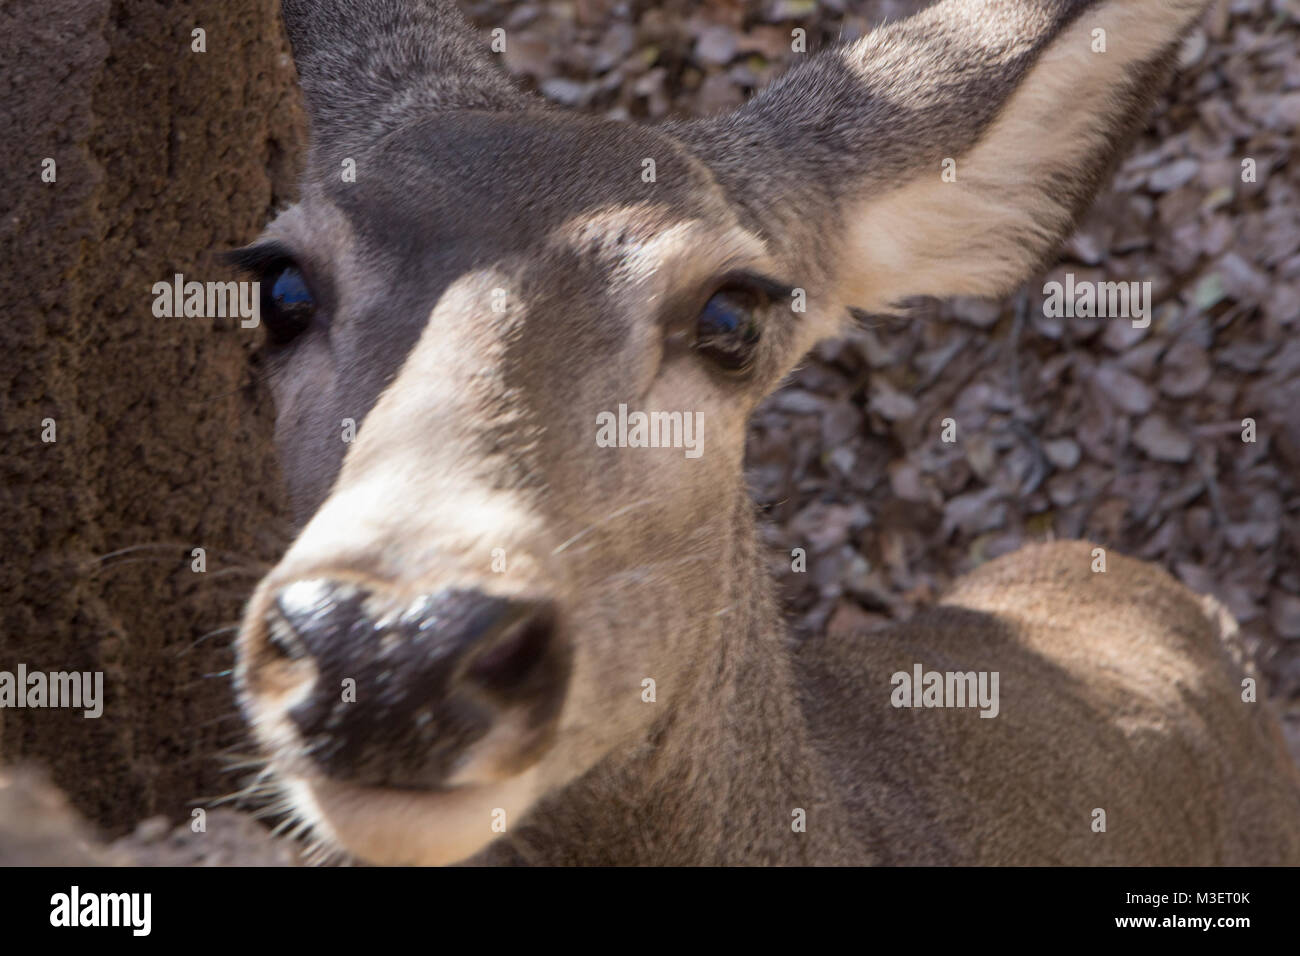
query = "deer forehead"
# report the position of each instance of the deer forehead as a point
(572, 216)
(481, 264)
(506, 182)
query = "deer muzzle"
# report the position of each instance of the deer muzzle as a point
(412, 692)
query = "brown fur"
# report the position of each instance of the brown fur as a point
(1117, 693)
(478, 435)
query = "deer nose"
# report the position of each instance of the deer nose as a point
(404, 689)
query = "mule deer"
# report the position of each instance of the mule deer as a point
(496, 640)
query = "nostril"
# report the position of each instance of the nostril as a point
(510, 657)
(431, 676)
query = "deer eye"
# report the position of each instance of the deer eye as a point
(727, 331)
(287, 303)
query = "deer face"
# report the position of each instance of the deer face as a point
(482, 583)
(513, 307)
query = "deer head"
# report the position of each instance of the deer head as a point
(478, 282)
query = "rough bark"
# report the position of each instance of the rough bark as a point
(164, 156)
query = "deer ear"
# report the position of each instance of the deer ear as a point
(951, 152)
(368, 65)
(986, 217)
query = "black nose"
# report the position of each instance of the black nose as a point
(404, 689)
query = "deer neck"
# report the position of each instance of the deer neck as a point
(727, 774)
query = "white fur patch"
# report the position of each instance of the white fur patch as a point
(982, 233)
